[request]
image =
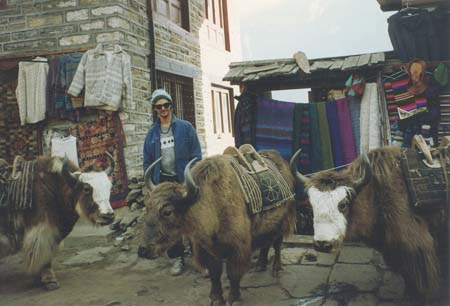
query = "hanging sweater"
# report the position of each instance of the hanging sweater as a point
(31, 91)
(106, 74)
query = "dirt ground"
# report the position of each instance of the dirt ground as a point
(100, 271)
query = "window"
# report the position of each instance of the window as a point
(222, 110)
(174, 10)
(182, 91)
(216, 13)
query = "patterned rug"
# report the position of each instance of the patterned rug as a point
(14, 138)
(96, 137)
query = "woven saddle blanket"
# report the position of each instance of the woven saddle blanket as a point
(16, 192)
(264, 188)
(427, 187)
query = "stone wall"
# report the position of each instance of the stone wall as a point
(78, 25)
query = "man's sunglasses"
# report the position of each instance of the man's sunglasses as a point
(165, 105)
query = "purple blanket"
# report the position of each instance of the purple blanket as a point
(345, 130)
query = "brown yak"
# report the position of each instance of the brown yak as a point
(61, 193)
(369, 201)
(210, 210)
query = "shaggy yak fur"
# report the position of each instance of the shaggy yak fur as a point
(377, 210)
(213, 215)
(59, 198)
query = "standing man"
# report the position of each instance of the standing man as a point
(176, 141)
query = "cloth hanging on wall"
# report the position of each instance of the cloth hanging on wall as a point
(325, 142)
(244, 120)
(106, 81)
(333, 124)
(274, 126)
(31, 90)
(370, 119)
(345, 131)
(316, 150)
(354, 106)
(65, 146)
(14, 138)
(302, 135)
(413, 36)
(96, 137)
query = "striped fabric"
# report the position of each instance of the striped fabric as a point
(316, 150)
(370, 119)
(20, 190)
(274, 126)
(354, 106)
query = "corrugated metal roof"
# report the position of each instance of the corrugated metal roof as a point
(265, 69)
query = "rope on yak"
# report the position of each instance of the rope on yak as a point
(263, 190)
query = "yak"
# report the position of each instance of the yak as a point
(60, 194)
(209, 209)
(369, 201)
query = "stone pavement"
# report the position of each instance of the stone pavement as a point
(94, 270)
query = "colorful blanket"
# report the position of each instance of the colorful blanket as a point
(274, 126)
(325, 142)
(96, 137)
(302, 135)
(333, 124)
(345, 130)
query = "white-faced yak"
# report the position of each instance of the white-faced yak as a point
(44, 203)
(369, 201)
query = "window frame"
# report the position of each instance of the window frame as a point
(222, 110)
(183, 8)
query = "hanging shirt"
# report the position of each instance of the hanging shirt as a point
(31, 90)
(105, 82)
(65, 146)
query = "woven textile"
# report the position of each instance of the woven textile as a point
(444, 124)
(325, 142)
(244, 120)
(96, 137)
(274, 126)
(263, 190)
(354, 106)
(316, 150)
(14, 138)
(370, 119)
(345, 130)
(20, 189)
(427, 186)
(302, 135)
(335, 137)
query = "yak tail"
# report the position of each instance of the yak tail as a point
(40, 244)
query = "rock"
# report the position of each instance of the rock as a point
(125, 247)
(129, 219)
(133, 194)
(134, 206)
(114, 303)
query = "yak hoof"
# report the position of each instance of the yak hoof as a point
(219, 302)
(51, 285)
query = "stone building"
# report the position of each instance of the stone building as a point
(184, 46)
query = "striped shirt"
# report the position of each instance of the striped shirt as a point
(106, 73)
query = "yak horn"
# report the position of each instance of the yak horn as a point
(110, 169)
(192, 188)
(366, 173)
(300, 177)
(71, 178)
(148, 175)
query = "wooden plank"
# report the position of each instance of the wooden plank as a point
(251, 70)
(350, 62)
(363, 60)
(337, 65)
(234, 73)
(321, 65)
(377, 58)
